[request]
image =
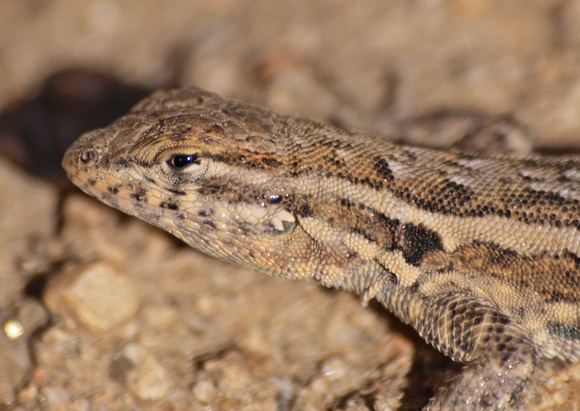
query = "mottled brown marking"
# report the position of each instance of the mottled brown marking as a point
(554, 278)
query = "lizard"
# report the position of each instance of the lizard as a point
(478, 252)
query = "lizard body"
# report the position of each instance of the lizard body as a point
(479, 253)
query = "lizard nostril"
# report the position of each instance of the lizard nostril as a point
(88, 156)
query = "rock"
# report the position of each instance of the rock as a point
(97, 296)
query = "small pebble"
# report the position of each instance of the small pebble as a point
(55, 397)
(148, 380)
(97, 296)
(334, 369)
(204, 391)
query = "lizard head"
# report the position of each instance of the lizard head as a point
(211, 171)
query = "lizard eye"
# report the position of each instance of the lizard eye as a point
(181, 164)
(181, 161)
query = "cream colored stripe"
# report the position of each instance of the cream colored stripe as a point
(522, 238)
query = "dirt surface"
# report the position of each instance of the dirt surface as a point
(100, 311)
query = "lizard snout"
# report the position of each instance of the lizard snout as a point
(83, 154)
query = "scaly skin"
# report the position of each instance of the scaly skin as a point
(480, 254)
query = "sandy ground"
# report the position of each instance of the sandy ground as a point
(100, 311)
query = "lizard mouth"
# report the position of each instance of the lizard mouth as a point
(106, 188)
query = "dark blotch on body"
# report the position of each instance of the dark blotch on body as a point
(170, 206)
(417, 241)
(305, 211)
(383, 169)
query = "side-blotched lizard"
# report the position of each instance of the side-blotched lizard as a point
(479, 253)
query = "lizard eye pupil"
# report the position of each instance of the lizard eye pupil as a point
(183, 160)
